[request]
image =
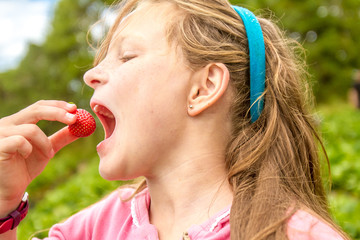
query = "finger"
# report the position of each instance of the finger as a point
(70, 107)
(56, 103)
(13, 144)
(37, 112)
(34, 135)
(61, 138)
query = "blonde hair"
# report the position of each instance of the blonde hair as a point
(273, 164)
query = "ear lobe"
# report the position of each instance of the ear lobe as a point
(210, 85)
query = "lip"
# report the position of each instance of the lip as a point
(108, 123)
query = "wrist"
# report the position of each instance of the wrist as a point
(7, 206)
(13, 218)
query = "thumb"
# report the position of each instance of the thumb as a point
(61, 138)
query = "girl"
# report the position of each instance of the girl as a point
(206, 102)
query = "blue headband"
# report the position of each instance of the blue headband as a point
(257, 60)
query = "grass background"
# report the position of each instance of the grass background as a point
(340, 125)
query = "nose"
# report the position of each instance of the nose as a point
(95, 77)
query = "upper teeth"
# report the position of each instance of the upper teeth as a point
(103, 111)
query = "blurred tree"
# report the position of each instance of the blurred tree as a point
(54, 69)
(328, 29)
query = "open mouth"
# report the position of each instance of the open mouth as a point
(107, 119)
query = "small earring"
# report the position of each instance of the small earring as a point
(191, 106)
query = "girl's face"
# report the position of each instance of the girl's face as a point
(140, 97)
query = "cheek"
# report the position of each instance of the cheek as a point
(150, 94)
(159, 123)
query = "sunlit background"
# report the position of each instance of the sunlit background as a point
(22, 21)
(44, 52)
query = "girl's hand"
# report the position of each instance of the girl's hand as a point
(25, 149)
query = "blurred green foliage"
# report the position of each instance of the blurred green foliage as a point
(54, 69)
(328, 29)
(341, 133)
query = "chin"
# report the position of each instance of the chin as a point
(107, 176)
(112, 173)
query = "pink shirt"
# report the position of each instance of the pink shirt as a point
(114, 219)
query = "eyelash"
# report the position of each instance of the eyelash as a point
(127, 58)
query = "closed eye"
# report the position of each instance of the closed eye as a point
(126, 58)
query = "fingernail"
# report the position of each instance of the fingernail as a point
(71, 105)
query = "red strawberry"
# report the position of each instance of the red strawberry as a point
(85, 124)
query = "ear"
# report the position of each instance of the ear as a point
(210, 84)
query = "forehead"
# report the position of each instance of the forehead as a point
(147, 22)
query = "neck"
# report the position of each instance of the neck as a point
(189, 184)
(190, 193)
